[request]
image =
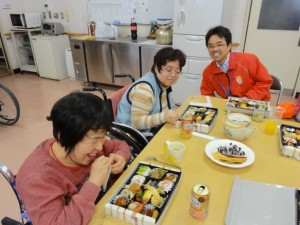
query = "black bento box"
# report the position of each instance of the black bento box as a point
(145, 195)
(203, 117)
(290, 141)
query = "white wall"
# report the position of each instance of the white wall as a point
(75, 19)
(277, 49)
(5, 24)
(75, 12)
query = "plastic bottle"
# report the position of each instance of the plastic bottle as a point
(133, 28)
(93, 28)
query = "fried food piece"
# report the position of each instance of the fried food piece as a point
(135, 187)
(146, 197)
(156, 198)
(139, 208)
(155, 214)
(228, 159)
(121, 201)
(243, 104)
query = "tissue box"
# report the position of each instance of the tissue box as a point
(290, 141)
(145, 194)
(203, 118)
(246, 106)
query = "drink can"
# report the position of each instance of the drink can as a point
(199, 201)
(186, 126)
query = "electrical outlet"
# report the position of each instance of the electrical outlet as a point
(62, 15)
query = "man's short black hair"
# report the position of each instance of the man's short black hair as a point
(222, 32)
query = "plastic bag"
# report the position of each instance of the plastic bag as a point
(106, 31)
(290, 108)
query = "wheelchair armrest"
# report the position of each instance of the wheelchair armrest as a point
(9, 221)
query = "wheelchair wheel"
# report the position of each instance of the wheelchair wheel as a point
(9, 107)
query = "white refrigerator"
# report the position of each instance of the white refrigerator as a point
(192, 20)
(50, 57)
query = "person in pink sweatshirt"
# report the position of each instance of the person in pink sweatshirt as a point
(60, 180)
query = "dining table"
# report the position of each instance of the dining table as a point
(269, 167)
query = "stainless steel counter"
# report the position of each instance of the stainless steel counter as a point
(141, 41)
(106, 57)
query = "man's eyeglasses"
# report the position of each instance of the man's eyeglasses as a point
(218, 46)
(169, 70)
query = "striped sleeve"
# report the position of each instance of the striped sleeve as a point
(142, 98)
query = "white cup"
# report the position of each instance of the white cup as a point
(175, 152)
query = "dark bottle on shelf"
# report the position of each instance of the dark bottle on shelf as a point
(133, 28)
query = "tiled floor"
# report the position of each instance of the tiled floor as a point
(36, 96)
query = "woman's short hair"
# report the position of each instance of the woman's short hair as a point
(168, 54)
(222, 32)
(75, 114)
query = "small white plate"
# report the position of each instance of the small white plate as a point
(213, 146)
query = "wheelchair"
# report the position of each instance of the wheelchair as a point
(10, 177)
(134, 138)
(9, 106)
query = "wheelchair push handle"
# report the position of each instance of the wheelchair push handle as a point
(89, 88)
(125, 75)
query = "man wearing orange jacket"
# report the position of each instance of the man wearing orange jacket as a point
(233, 73)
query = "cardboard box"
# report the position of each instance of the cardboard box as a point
(143, 174)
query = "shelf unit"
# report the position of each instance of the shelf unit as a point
(4, 66)
(23, 45)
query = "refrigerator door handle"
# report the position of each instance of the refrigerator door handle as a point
(76, 64)
(194, 38)
(181, 18)
(191, 76)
